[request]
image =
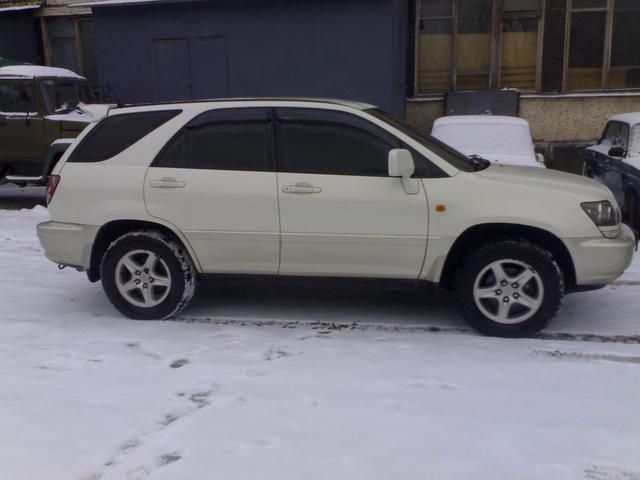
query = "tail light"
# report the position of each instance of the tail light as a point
(52, 184)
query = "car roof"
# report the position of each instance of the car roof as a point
(480, 119)
(245, 101)
(36, 71)
(631, 118)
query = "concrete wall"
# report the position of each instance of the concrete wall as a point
(19, 36)
(321, 48)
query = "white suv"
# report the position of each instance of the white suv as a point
(152, 198)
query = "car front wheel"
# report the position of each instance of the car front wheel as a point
(510, 288)
(147, 275)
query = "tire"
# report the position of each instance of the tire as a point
(148, 258)
(3, 174)
(531, 296)
(632, 211)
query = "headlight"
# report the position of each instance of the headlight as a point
(605, 216)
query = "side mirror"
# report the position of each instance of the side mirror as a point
(540, 159)
(401, 165)
(617, 152)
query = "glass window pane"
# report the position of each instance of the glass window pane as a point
(521, 5)
(473, 49)
(60, 27)
(589, 4)
(586, 49)
(627, 5)
(519, 53)
(334, 150)
(634, 144)
(436, 8)
(63, 53)
(116, 133)
(174, 154)
(472, 82)
(89, 53)
(231, 146)
(616, 135)
(625, 54)
(17, 97)
(434, 58)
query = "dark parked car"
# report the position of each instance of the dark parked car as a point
(615, 162)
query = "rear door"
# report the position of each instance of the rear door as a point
(341, 214)
(216, 181)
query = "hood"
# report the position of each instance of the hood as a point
(522, 159)
(546, 179)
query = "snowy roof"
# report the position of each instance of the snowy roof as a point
(480, 119)
(631, 118)
(33, 71)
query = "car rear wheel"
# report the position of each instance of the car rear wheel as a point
(147, 275)
(509, 288)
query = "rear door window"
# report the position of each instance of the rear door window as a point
(225, 139)
(116, 133)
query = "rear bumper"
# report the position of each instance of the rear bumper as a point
(600, 260)
(67, 243)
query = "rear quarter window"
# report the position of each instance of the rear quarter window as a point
(117, 133)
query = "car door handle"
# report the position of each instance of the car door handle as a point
(166, 183)
(301, 187)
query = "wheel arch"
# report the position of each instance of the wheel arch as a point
(481, 234)
(112, 230)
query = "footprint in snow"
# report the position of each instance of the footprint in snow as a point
(168, 458)
(181, 362)
(279, 352)
(599, 472)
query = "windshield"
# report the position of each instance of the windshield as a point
(62, 95)
(455, 158)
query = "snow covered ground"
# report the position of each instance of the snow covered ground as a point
(268, 382)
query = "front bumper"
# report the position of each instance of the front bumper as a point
(600, 260)
(67, 243)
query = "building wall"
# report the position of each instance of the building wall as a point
(319, 48)
(19, 36)
(553, 118)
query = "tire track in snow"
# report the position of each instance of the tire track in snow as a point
(325, 328)
(588, 356)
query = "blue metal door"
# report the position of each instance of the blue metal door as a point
(208, 66)
(170, 60)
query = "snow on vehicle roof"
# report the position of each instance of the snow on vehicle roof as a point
(481, 119)
(631, 118)
(34, 71)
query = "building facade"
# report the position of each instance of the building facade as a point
(574, 62)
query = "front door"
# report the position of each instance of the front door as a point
(22, 142)
(216, 182)
(341, 214)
